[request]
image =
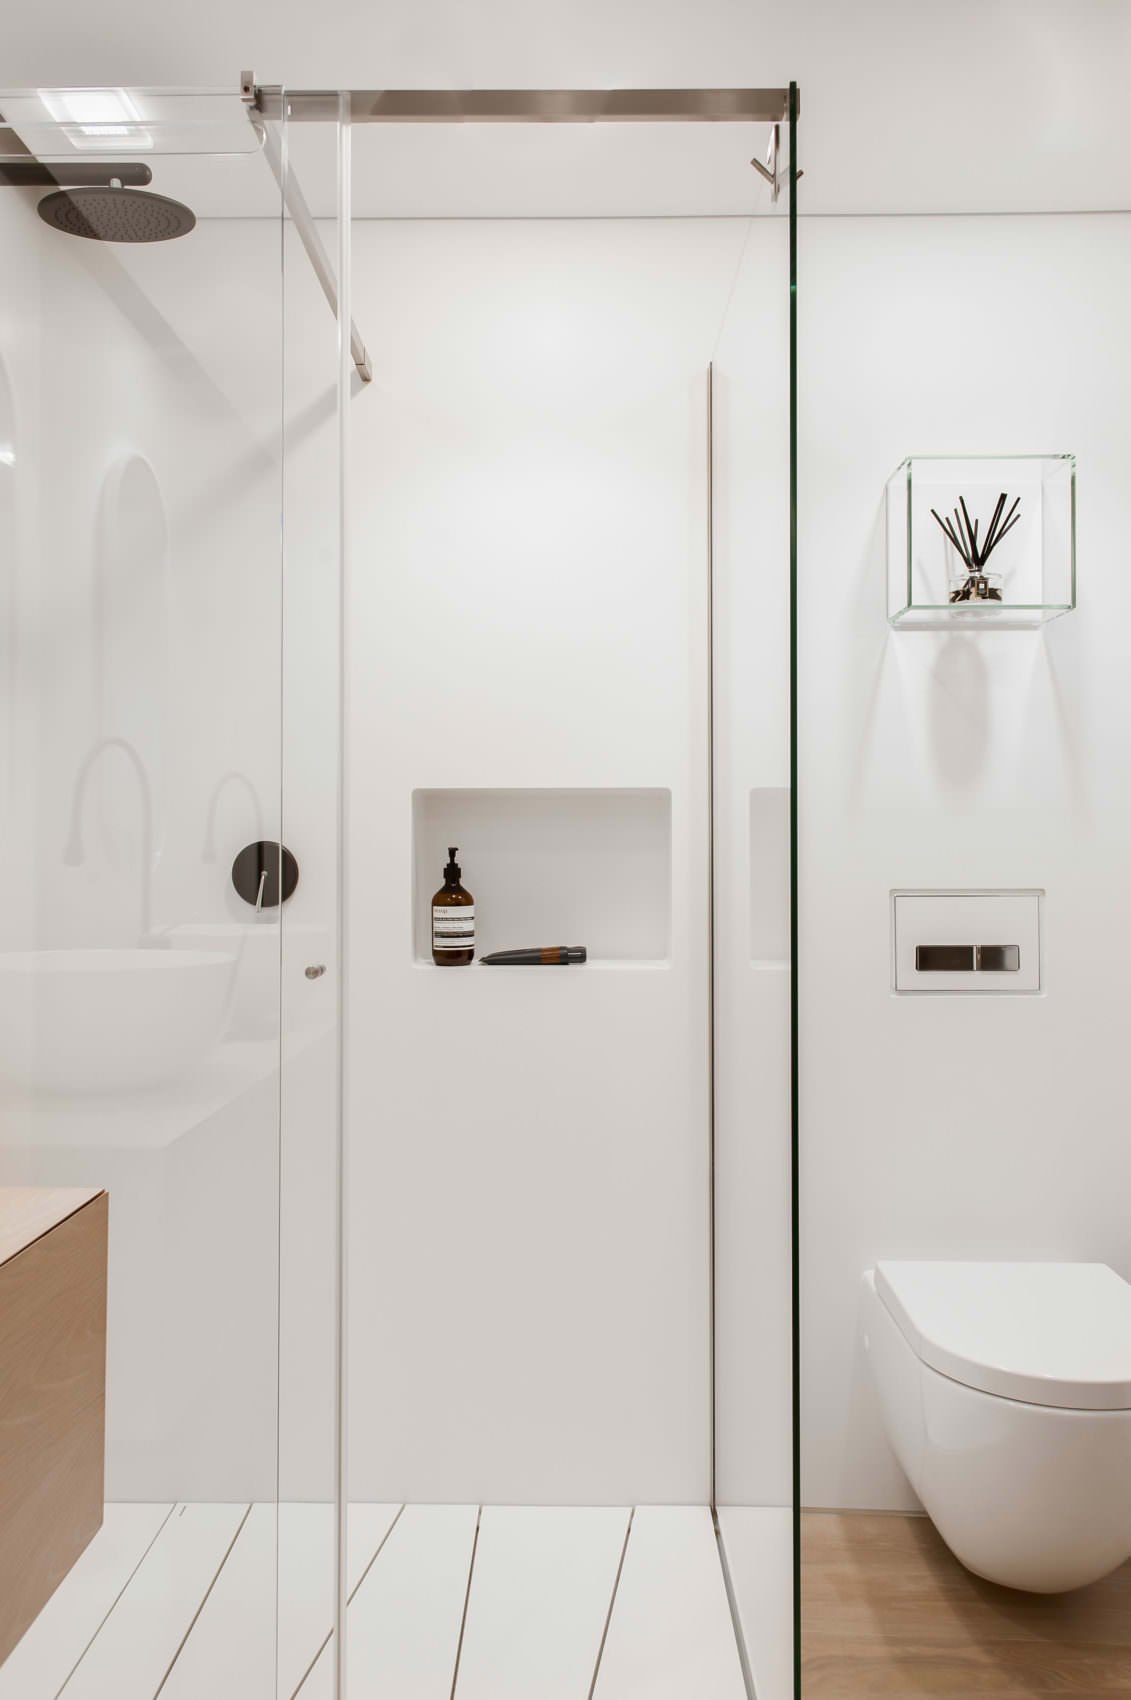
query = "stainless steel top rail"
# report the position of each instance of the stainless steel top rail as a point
(529, 106)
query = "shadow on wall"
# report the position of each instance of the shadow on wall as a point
(973, 708)
(958, 711)
(866, 1453)
(132, 616)
(156, 333)
(956, 718)
(1069, 710)
(867, 629)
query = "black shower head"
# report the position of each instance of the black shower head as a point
(109, 214)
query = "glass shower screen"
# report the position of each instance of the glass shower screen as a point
(168, 1065)
(426, 488)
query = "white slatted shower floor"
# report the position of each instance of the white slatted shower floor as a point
(492, 1603)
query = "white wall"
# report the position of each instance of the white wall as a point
(529, 1161)
(955, 1127)
(752, 1004)
(530, 608)
(557, 1350)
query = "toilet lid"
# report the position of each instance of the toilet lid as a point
(1054, 1334)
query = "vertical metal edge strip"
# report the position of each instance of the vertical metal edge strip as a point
(341, 1284)
(794, 1037)
(711, 963)
(280, 964)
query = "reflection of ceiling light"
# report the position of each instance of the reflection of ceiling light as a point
(7, 456)
(93, 118)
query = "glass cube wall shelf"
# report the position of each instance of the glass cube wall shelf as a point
(1029, 574)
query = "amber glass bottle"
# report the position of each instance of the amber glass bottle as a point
(453, 920)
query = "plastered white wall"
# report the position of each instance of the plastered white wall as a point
(528, 1151)
(529, 610)
(930, 1128)
(752, 984)
(950, 1127)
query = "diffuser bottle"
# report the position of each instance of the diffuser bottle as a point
(453, 920)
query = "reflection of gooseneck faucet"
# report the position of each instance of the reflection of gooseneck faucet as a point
(73, 851)
(232, 777)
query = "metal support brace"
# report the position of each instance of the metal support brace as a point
(304, 222)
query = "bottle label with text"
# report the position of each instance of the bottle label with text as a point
(453, 927)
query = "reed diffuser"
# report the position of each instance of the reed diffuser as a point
(976, 584)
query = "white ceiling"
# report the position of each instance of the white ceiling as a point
(907, 105)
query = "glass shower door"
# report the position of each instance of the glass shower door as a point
(316, 1563)
(152, 429)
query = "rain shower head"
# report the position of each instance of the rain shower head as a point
(114, 214)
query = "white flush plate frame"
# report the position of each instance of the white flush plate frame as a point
(977, 915)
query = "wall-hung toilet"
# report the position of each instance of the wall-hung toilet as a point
(1006, 1392)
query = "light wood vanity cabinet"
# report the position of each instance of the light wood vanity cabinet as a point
(52, 1391)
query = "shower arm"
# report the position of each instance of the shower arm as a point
(18, 170)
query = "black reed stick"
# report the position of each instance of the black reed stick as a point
(962, 532)
(948, 528)
(994, 521)
(1001, 527)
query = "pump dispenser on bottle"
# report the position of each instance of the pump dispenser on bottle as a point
(453, 920)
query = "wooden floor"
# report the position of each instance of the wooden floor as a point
(447, 1602)
(889, 1613)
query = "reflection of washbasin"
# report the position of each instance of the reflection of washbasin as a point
(264, 951)
(95, 1020)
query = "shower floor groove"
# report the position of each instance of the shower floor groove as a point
(180, 1602)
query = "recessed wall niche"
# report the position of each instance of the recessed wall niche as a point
(551, 867)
